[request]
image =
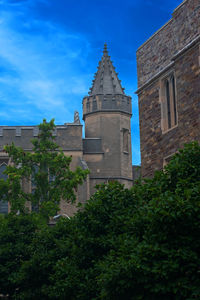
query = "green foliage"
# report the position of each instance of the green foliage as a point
(16, 235)
(141, 243)
(47, 168)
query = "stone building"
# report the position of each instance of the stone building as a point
(106, 148)
(168, 66)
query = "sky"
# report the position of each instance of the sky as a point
(49, 52)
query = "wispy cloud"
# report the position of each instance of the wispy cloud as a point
(41, 62)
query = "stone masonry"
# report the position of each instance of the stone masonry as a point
(174, 49)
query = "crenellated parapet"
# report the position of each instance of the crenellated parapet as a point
(115, 103)
(67, 136)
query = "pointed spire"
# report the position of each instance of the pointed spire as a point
(105, 50)
(106, 80)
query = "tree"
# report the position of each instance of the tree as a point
(16, 235)
(141, 243)
(47, 168)
(137, 244)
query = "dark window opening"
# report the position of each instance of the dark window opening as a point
(3, 204)
(94, 105)
(168, 104)
(174, 99)
(125, 140)
(88, 106)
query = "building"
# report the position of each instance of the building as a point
(168, 66)
(106, 148)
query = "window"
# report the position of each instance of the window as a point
(34, 206)
(51, 178)
(168, 102)
(125, 140)
(3, 204)
(94, 104)
(88, 105)
(18, 131)
(35, 131)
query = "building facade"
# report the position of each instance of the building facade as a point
(106, 148)
(168, 65)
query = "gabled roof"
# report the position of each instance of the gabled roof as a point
(106, 80)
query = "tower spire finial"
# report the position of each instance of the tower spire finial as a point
(105, 50)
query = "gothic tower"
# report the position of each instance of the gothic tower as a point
(107, 113)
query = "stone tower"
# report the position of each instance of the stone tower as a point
(107, 113)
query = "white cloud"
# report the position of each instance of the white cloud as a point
(45, 65)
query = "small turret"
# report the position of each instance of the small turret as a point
(106, 92)
(107, 113)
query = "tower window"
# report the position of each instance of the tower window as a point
(94, 104)
(125, 140)
(88, 105)
(168, 103)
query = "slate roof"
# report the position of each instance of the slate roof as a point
(106, 80)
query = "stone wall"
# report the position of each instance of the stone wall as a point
(158, 145)
(103, 147)
(68, 136)
(155, 145)
(158, 51)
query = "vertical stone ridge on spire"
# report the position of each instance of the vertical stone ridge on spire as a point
(105, 79)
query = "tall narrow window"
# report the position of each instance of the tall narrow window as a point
(174, 98)
(94, 104)
(88, 106)
(34, 206)
(168, 102)
(51, 178)
(125, 140)
(3, 204)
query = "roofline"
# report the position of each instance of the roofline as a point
(106, 111)
(31, 149)
(112, 178)
(181, 52)
(179, 6)
(170, 20)
(33, 126)
(101, 94)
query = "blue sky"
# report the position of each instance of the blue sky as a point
(49, 52)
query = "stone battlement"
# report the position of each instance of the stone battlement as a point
(68, 136)
(109, 102)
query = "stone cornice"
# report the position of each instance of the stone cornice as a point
(176, 56)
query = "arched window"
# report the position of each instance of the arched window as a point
(34, 206)
(125, 140)
(94, 104)
(88, 105)
(174, 98)
(3, 204)
(168, 102)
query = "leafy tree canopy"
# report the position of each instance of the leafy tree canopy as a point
(141, 243)
(47, 168)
